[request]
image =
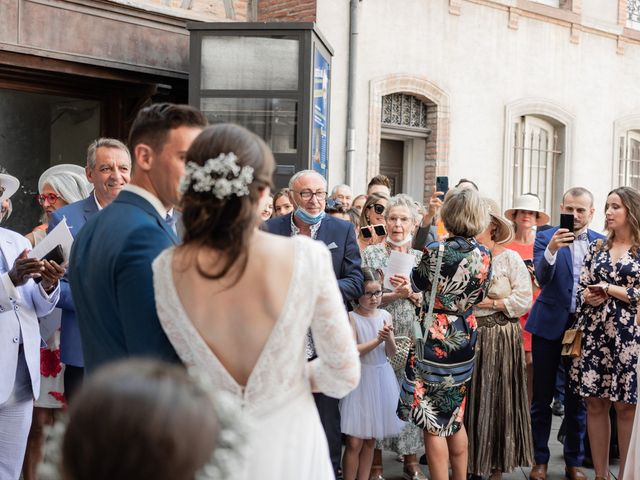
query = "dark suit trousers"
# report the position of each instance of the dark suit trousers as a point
(546, 358)
(330, 418)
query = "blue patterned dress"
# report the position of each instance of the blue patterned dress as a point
(463, 282)
(606, 367)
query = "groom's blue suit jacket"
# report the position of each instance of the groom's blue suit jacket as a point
(112, 282)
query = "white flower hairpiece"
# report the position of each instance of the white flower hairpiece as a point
(222, 176)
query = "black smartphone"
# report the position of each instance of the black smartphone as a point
(442, 185)
(566, 221)
(55, 255)
(380, 230)
(366, 232)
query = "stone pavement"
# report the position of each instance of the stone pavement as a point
(393, 468)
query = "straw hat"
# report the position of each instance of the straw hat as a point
(504, 230)
(527, 202)
(62, 168)
(8, 185)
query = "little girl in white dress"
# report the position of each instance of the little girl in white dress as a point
(369, 412)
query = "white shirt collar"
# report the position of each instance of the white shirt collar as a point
(149, 197)
(95, 199)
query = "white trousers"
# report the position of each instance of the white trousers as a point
(15, 422)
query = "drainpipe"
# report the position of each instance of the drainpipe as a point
(353, 56)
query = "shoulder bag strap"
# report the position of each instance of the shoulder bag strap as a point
(420, 331)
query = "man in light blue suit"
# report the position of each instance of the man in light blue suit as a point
(110, 268)
(22, 301)
(109, 170)
(558, 259)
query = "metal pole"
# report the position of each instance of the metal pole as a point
(353, 56)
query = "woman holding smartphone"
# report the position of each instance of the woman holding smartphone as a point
(607, 305)
(372, 219)
(402, 303)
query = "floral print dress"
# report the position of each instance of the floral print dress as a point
(404, 314)
(606, 367)
(463, 281)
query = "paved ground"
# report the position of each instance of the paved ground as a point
(393, 468)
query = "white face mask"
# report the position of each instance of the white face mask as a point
(402, 243)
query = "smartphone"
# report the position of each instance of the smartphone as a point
(597, 289)
(380, 230)
(55, 255)
(566, 221)
(366, 232)
(442, 185)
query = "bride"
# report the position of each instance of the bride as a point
(236, 303)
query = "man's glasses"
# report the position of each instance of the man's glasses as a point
(52, 198)
(307, 194)
(378, 208)
(375, 294)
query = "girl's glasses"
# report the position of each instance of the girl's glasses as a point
(375, 294)
(52, 198)
(379, 209)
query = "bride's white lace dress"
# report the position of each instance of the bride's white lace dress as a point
(286, 439)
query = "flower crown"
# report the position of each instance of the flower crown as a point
(222, 176)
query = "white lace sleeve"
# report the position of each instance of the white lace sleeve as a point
(336, 371)
(519, 302)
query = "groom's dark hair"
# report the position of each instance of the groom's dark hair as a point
(152, 124)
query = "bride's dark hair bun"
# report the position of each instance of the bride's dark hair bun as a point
(226, 224)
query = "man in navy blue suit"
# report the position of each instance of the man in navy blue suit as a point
(109, 170)
(308, 196)
(110, 267)
(558, 258)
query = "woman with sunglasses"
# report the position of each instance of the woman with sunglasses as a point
(58, 186)
(403, 304)
(372, 216)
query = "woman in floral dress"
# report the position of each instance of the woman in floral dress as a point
(607, 299)
(402, 304)
(431, 397)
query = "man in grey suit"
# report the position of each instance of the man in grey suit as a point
(22, 301)
(109, 170)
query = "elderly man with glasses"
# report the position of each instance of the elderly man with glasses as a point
(308, 194)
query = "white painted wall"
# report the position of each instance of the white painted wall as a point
(483, 66)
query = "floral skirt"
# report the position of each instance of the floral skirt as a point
(433, 393)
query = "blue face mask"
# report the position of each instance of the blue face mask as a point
(306, 217)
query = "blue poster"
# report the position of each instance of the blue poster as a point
(319, 135)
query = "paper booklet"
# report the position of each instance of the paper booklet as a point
(60, 235)
(399, 263)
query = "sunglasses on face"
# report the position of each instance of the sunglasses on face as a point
(52, 198)
(379, 209)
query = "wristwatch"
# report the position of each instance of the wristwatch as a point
(606, 288)
(495, 307)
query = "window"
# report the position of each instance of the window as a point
(535, 159)
(629, 159)
(633, 14)
(551, 3)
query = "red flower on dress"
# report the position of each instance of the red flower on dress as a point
(50, 362)
(439, 352)
(471, 321)
(59, 397)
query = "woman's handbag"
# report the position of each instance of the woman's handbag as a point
(499, 288)
(572, 343)
(399, 360)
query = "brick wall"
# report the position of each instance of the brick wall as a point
(287, 10)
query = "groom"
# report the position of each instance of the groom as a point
(110, 268)
(308, 194)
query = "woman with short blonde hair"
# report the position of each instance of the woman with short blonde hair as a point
(463, 213)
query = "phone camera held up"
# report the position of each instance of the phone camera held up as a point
(566, 221)
(442, 185)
